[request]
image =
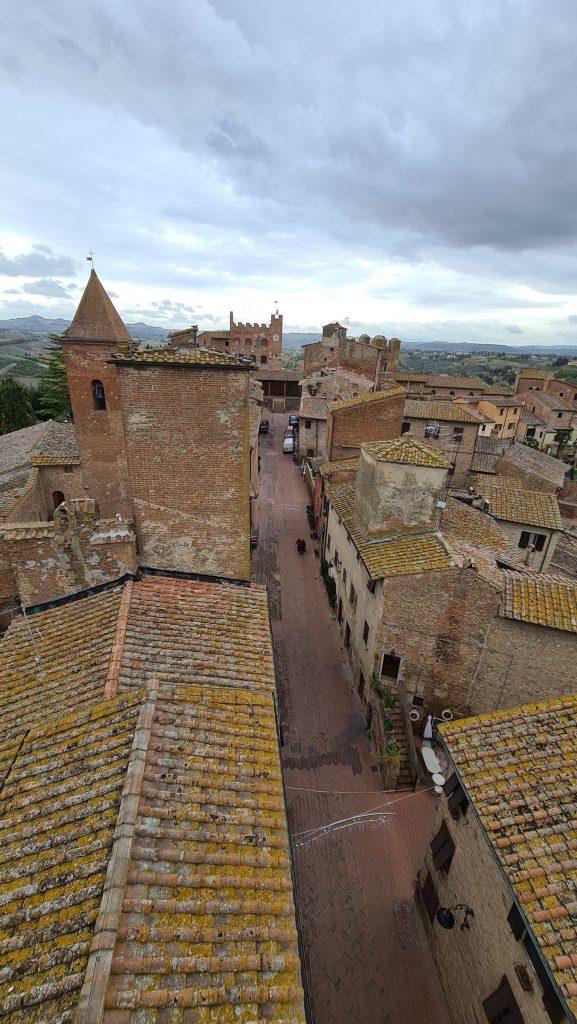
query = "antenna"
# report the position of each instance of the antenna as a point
(276, 306)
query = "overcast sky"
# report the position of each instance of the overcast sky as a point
(411, 166)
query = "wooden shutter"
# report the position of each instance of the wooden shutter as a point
(516, 923)
(442, 848)
(456, 796)
(501, 1007)
(430, 898)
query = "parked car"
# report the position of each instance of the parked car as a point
(288, 445)
(263, 429)
(289, 431)
(293, 421)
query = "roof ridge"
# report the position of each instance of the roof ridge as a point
(104, 936)
(118, 644)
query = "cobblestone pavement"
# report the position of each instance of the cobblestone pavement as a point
(366, 955)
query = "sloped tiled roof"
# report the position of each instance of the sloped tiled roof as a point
(449, 412)
(178, 768)
(443, 380)
(12, 486)
(551, 401)
(96, 318)
(415, 552)
(536, 374)
(463, 522)
(521, 506)
(339, 466)
(269, 373)
(16, 447)
(57, 446)
(482, 482)
(531, 419)
(189, 357)
(407, 451)
(488, 451)
(530, 460)
(364, 399)
(518, 768)
(313, 408)
(542, 600)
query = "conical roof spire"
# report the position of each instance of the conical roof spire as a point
(96, 319)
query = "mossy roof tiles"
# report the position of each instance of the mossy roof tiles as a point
(407, 451)
(533, 508)
(542, 600)
(442, 380)
(536, 374)
(518, 768)
(409, 551)
(446, 412)
(189, 357)
(469, 524)
(365, 399)
(206, 916)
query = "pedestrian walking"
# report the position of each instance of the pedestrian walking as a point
(298, 545)
(303, 546)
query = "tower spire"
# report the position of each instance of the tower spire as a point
(96, 318)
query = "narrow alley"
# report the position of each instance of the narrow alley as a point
(366, 954)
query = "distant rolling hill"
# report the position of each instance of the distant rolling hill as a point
(39, 326)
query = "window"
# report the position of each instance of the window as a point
(530, 432)
(353, 595)
(366, 632)
(227, 343)
(430, 898)
(432, 430)
(458, 433)
(98, 396)
(347, 636)
(405, 427)
(417, 701)
(69, 469)
(451, 392)
(501, 1006)
(340, 611)
(536, 540)
(456, 797)
(344, 577)
(328, 542)
(516, 922)
(310, 452)
(361, 686)
(57, 498)
(390, 667)
(442, 849)
(307, 424)
(263, 359)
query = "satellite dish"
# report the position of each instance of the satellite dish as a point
(445, 918)
(447, 715)
(414, 715)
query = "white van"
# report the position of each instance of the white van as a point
(288, 445)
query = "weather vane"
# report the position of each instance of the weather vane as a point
(90, 257)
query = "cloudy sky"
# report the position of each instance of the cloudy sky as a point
(409, 166)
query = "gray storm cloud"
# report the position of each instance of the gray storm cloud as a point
(212, 144)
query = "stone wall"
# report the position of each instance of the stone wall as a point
(311, 440)
(373, 361)
(472, 962)
(187, 441)
(538, 560)
(67, 480)
(51, 560)
(348, 429)
(458, 451)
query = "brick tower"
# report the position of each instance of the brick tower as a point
(95, 331)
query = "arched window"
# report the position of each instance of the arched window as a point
(98, 396)
(263, 359)
(57, 498)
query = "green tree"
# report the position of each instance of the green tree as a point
(15, 407)
(53, 387)
(563, 436)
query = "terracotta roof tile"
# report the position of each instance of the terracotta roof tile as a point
(521, 506)
(443, 380)
(463, 522)
(530, 460)
(447, 412)
(542, 600)
(313, 408)
(96, 318)
(56, 447)
(536, 374)
(518, 768)
(407, 451)
(413, 552)
(364, 399)
(189, 357)
(348, 466)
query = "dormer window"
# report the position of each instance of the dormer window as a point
(98, 396)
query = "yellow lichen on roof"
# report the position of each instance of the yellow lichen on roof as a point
(518, 768)
(407, 451)
(208, 916)
(365, 399)
(417, 551)
(533, 508)
(469, 524)
(58, 810)
(542, 600)
(56, 659)
(446, 412)
(536, 374)
(194, 357)
(339, 466)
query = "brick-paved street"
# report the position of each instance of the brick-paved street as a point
(367, 958)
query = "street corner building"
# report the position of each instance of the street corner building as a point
(145, 866)
(497, 889)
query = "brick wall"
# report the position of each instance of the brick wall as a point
(55, 479)
(263, 341)
(531, 480)
(348, 429)
(99, 432)
(187, 442)
(458, 451)
(53, 560)
(471, 963)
